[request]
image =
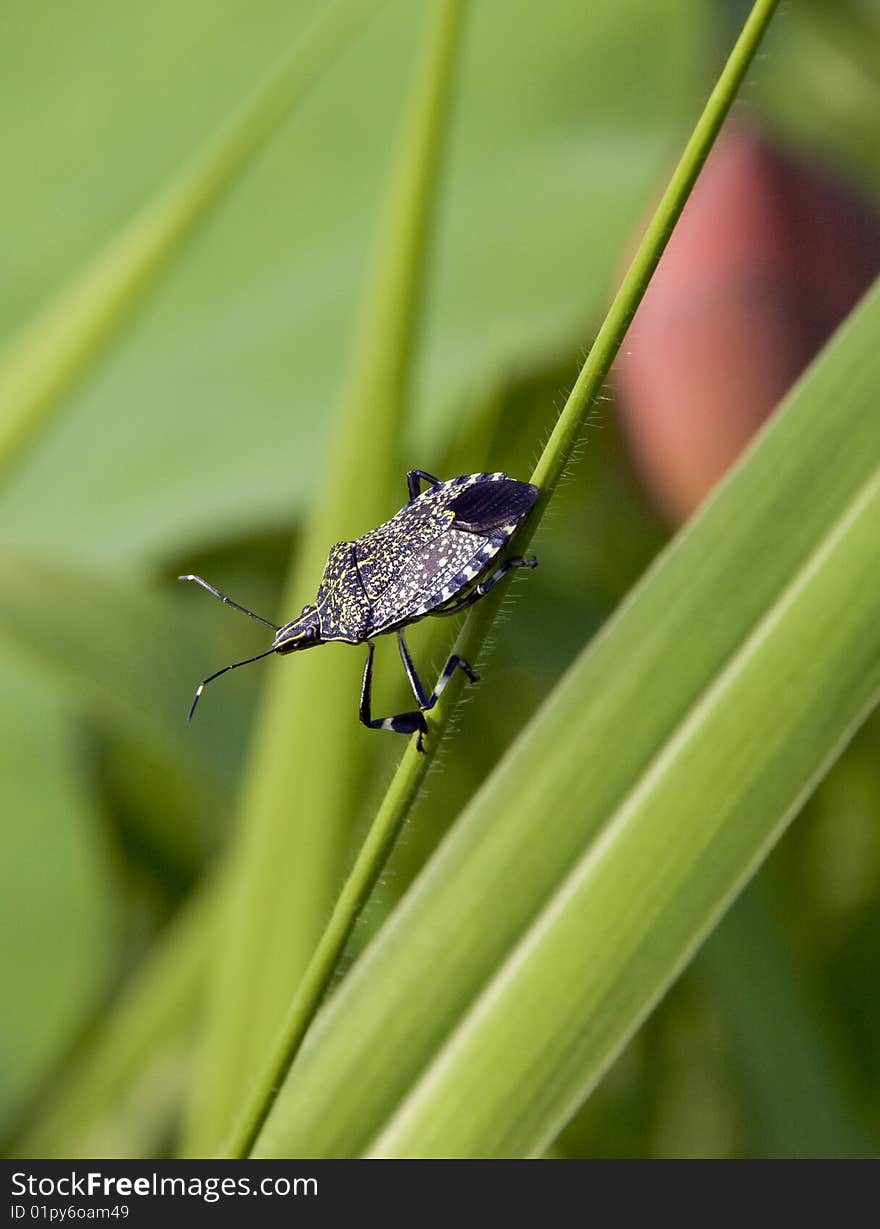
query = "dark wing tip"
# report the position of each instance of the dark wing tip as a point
(485, 506)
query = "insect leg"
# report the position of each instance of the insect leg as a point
(424, 700)
(409, 666)
(401, 723)
(485, 586)
(228, 600)
(415, 478)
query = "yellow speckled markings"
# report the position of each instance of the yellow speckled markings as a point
(343, 606)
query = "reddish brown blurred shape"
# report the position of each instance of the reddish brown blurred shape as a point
(769, 256)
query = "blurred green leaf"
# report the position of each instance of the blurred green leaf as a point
(624, 820)
(120, 1094)
(52, 353)
(824, 90)
(759, 1049)
(57, 896)
(130, 656)
(306, 780)
(788, 1058)
(210, 418)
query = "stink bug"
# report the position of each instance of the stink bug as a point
(434, 557)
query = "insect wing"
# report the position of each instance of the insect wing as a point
(386, 552)
(490, 506)
(438, 571)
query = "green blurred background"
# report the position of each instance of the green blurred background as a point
(197, 442)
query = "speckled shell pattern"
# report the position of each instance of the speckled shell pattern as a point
(430, 553)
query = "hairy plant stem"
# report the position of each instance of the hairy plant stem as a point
(410, 774)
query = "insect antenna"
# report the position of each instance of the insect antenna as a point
(210, 679)
(229, 602)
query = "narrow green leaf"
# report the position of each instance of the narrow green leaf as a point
(57, 348)
(624, 820)
(298, 808)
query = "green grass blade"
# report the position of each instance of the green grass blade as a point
(299, 807)
(58, 347)
(619, 826)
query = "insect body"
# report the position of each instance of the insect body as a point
(436, 556)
